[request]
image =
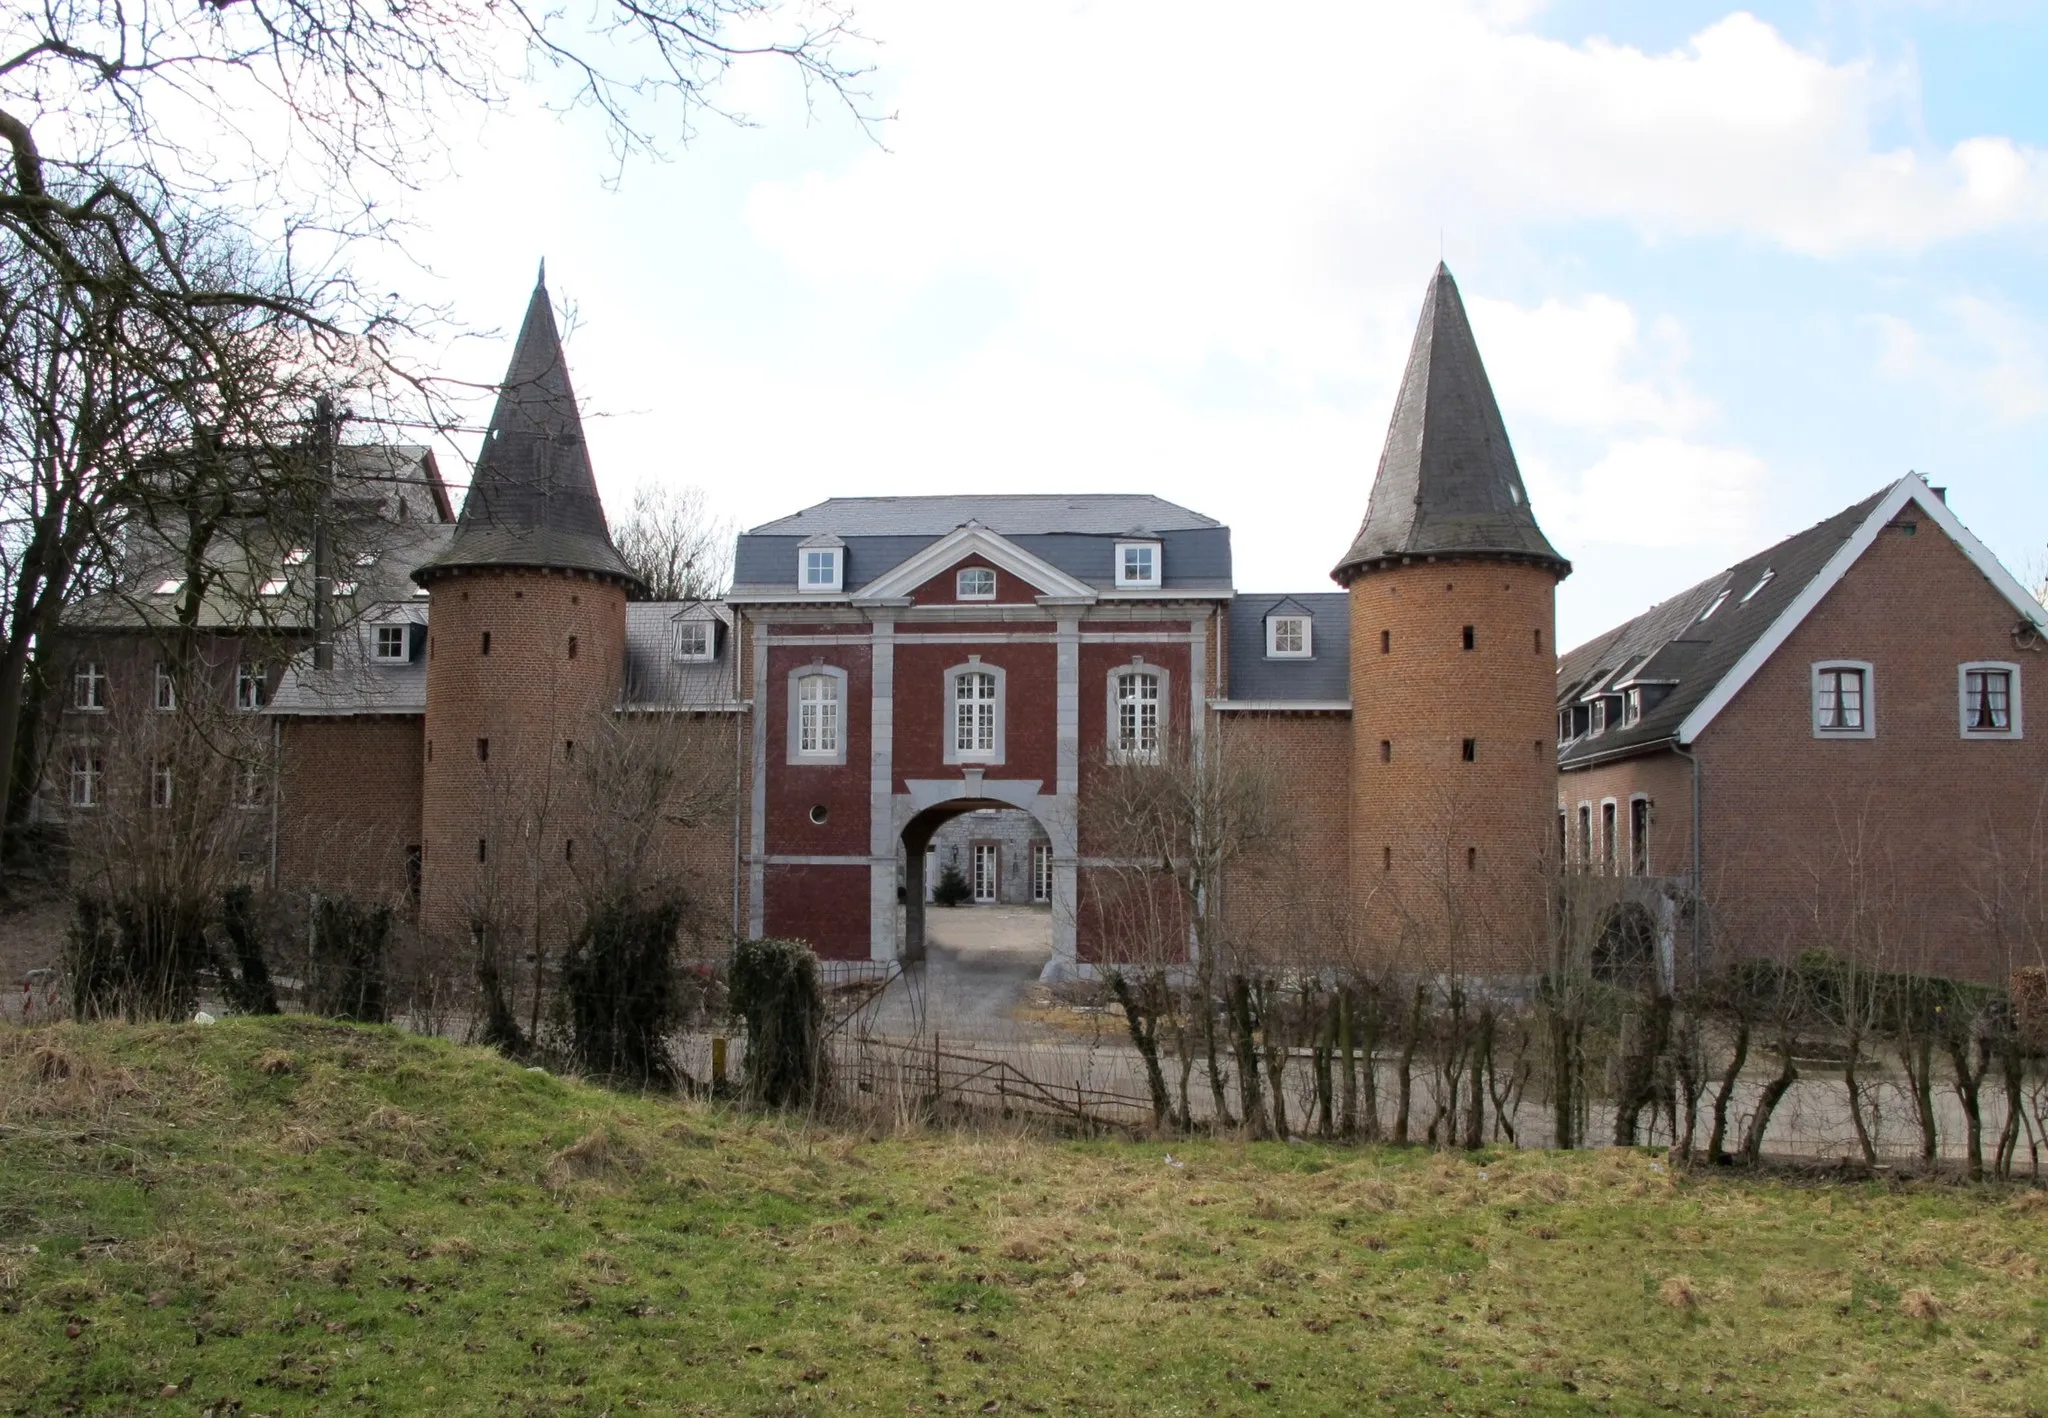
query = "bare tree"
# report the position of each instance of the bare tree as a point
(675, 544)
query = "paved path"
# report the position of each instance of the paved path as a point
(981, 962)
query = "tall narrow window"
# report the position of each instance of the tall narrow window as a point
(1539, 640)
(1841, 700)
(1386, 750)
(1471, 859)
(1041, 872)
(1638, 836)
(160, 784)
(252, 683)
(89, 687)
(1469, 642)
(1586, 836)
(88, 772)
(1990, 701)
(486, 643)
(818, 716)
(974, 714)
(1607, 817)
(1386, 641)
(1471, 750)
(166, 688)
(1135, 734)
(483, 750)
(572, 647)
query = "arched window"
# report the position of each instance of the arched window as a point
(817, 714)
(974, 714)
(1137, 700)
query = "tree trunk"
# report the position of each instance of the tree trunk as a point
(2013, 1067)
(1853, 1046)
(1968, 1081)
(1251, 1104)
(1639, 1070)
(1144, 1031)
(1404, 1073)
(1348, 1118)
(1717, 1140)
(1916, 1055)
(1773, 1094)
(1326, 1086)
(1475, 1087)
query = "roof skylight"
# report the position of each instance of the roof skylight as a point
(169, 586)
(296, 557)
(273, 587)
(1762, 581)
(1718, 602)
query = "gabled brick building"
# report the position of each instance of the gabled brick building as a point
(1833, 738)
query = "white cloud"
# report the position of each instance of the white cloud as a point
(1583, 364)
(1975, 353)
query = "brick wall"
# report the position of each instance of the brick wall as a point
(1290, 903)
(1447, 854)
(349, 805)
(1916, 829)
(529, 698)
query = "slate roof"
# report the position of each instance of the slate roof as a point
(1447, 483)
(1670, 647)
(1076, 533)
(532, 499)
(1324, 677)
(360, 683)
(1010, 514)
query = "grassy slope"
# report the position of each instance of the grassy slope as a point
(303, 1217)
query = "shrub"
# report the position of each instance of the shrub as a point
(774, 988)
(244, 977)
(620, 988)
(347, 978)
(135, 956)
(952, 888)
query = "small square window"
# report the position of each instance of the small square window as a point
(1989, 699)
(694, 640)
(393, 642)
(1137, 563)
(819, 568)
(1842, 700)
(1289, 637)
(975, 583)
(89, 687)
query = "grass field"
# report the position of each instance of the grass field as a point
(290, 1216)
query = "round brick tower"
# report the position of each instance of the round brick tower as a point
(526, 645)
(1453, 676)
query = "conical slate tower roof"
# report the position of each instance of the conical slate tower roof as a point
(1447, 484)
(532, 501)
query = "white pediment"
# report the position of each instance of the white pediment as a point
(972, 540)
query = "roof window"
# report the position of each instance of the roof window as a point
(1761, 582)
(1137, 563)
(275, 586)
(1715, 605)
(1289, 637)
(295, 557)
(169, 586)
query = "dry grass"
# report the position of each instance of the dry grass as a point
(441, 1232)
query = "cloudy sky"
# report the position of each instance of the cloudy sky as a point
(1730, 270)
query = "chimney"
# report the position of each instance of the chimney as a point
(1940, 492)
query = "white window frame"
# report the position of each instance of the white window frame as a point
(170, 586)
(997, 751)
(992, 853)
(252, 685)
(1583, 838)
(377, 642)
(1631, 707)
(88, 776)
(275, 586)
(1720, 600)
(1041, 872)
(1868, 729)
(1118, 752)
(165, 691)
(1150, 574)
(2012, 729)
(834, 563)
(163, 783)
(1610, 834)
(1638, 847)
(817, 756)
(89, 688)
(691, 653)
(960, 582)
(1307, 649)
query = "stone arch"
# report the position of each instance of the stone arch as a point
(930, 805)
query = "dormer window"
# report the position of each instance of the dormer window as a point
(393, 643)
(975, 583)
(1137, 564)
(275, 586)
(1289, 637)
(1631, 708)
(695, 640)
(169, 586)
(295, 557)
(821, 565)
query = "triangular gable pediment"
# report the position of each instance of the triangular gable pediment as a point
(973, 541)
(1910, 489)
